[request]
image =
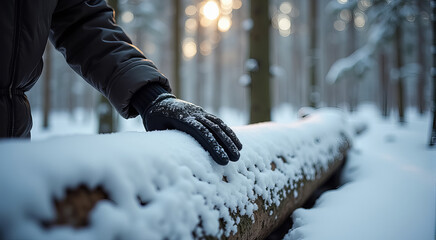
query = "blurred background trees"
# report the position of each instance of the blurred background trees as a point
(252, 59)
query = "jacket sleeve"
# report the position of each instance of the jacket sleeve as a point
(84, 31)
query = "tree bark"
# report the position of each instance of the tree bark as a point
(260, 100)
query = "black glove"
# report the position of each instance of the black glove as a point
(168, 112)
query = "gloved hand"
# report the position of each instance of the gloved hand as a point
(168, 112)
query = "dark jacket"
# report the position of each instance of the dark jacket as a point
(85, 33)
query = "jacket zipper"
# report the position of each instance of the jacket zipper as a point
(13, 66)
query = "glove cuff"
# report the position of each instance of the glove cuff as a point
(146, 96)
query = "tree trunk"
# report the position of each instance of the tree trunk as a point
(298, 175)
(313, 51)
(176, 48)
(71, 93)
(400, 80)
(351, 84)
(433, 74)
(384, 85)
(296, 65)
(200, 61)
(216, 93)
(260, 100)
(421, 60)
(105, 111)
(47, 81)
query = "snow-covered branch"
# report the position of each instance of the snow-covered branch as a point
(384, 19)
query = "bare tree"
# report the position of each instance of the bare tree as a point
(260, 100)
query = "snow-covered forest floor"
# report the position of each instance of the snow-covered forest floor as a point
(389, 181)
(389, 186)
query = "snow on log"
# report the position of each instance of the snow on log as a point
(163, 185)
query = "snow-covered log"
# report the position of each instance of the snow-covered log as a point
(163, 185)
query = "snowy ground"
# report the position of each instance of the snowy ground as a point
(389, 190)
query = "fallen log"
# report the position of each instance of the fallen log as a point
(163, 185)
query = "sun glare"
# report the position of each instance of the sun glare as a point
(210, 10)
(189, 48)
(224, 23)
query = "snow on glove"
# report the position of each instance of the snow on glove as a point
(168, 112)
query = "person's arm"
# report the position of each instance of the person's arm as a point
(98, 50)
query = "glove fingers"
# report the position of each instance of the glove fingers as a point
(226, 129)
(222, 138)
(206, 139)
